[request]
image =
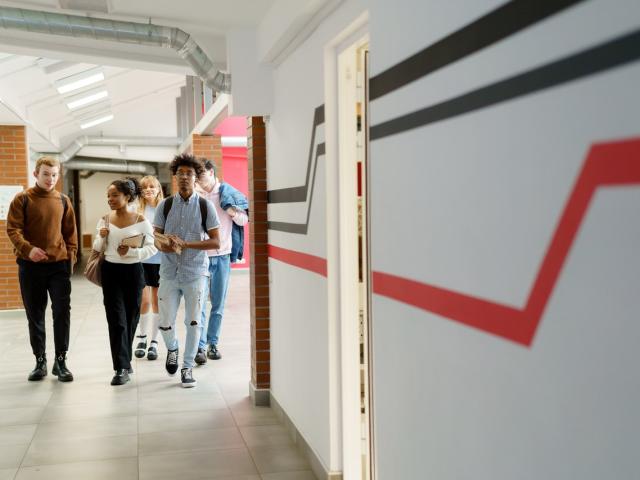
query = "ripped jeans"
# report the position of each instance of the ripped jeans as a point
(169, 294)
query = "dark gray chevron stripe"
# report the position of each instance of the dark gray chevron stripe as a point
(301, 228)
(299, 194)
(504, 21)
(611, 54)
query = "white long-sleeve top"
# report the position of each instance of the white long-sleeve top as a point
(116, 235)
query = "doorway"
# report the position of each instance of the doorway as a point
(353, 154)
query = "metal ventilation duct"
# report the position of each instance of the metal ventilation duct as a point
(75, 146)
(107, 166)
(119, 31)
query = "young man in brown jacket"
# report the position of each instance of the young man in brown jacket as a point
(41, 224)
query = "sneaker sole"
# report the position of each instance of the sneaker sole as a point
(188, 385)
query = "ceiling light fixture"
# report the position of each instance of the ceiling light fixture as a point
(96, 121)
(80, 80)
(85, 99)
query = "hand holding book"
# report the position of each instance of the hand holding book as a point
(135, 241)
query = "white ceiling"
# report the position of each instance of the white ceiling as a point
(143, 82)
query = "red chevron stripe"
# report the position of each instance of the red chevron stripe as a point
(607, 164)
(297, 259)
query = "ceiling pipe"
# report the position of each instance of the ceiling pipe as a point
(84, 140)
(105, 166)
(118, 31)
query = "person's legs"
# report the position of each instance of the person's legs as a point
(219, 285)
(145, 320)
(33, 287)
(113, 295)
(193, 297)
(169, 295)
(204, 317)
(132, 298)
(59, 286)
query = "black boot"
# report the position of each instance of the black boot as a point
(40, 371)
(60, 368)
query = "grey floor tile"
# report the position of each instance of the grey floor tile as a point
(64, 450)
(11, 455)
(7, 473)
(278, 458)
(99, 409)
(160, 443)
(20, 416)
(211, 464)
(120, 469)
(304, 475)
(16, 434)
(86, 429)
(265, 435)
(190, 421)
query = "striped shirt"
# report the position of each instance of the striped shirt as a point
(183, 220)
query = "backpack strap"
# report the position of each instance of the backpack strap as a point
(203, 213)
(168, 203)
(166, 208)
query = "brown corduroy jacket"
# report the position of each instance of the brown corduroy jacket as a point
(46, 225)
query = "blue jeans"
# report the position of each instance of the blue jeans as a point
(169, 294)
(219, 270)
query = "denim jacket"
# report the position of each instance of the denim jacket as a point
(231, 197)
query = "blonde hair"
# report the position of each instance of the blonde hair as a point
(159, 196)
(48, 161)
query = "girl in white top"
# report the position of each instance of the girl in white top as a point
(122, 274)
(150, 197)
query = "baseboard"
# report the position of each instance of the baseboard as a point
(316, 465)
(260, 397)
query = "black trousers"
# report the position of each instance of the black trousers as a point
(122, 286)
(36, 280)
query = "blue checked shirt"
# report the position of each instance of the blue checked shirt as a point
(184, 221)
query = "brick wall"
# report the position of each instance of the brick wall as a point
(260, 338)
(209, 147)
(13, 171)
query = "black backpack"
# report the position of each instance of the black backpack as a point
(168, 203)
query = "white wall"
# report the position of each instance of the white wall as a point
(481, 194)
(300, 331)
(93, 192)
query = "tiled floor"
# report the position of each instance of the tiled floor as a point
(150, 428)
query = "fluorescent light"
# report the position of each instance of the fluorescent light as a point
(84, 99)
(80, 80)
(96, 121)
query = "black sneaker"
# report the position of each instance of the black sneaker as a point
(152, 354)
(121, 377)
(187, 378)
(60, 368)
(201, 357)
(172, 362)
(40, 371)
(213, 353)
(141, 348)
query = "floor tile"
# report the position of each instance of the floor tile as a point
(9, 473)
(63, 450)
(278, 458)
(190, 421)
(86, 429)
(120, 469)
(16, 434)
(212, 464)
(160, 443)
(20, 416)
(11, 455)
(265, 435)
(304, 475)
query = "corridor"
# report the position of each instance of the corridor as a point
(150, 428)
